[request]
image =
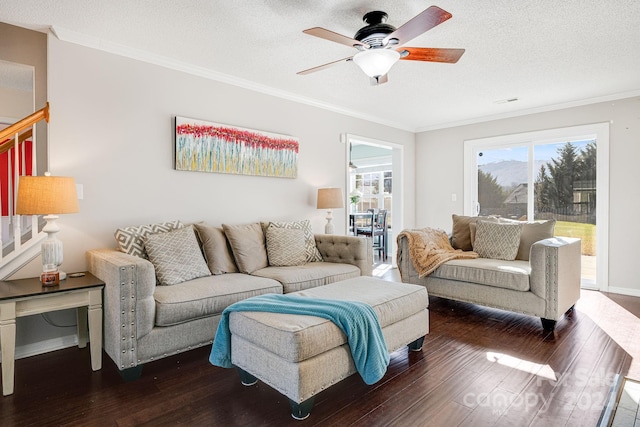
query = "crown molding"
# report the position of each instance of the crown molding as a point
(544, 109)
(92, 42)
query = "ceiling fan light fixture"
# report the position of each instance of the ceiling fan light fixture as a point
(376, 62)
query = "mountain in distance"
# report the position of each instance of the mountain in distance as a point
(509, 173)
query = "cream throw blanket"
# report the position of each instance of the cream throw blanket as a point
(429, 248)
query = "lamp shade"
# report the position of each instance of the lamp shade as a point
(376, 62)
(46, 195)
(329, 198)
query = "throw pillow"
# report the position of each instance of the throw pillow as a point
(461, 235)
(497, 240)
(531, 233)
(285, 246)
(176, 256)
(472, 226)
(248, 246)
(131, 239)
(217, 251)
(311, 251)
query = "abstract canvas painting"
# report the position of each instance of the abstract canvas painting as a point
(211, 147)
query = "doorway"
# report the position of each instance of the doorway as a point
(373, 183)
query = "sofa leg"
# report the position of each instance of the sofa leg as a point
(416, 345)
(570, 309)
(131, 374)
(246, 378)
(301, 411)
(548, 324)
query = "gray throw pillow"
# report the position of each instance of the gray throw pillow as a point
(216, 248)
(497, 240)
(285, 246)
(131, 239)
(176, 256)
(311, 251)
(533, 232)
(248, 246)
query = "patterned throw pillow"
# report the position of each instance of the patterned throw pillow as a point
(176, 256)
(497, 240)
(285, 246)
(311, 251)
(131, 239)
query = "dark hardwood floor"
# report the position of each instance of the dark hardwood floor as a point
(478, 366)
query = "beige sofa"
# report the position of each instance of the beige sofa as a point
(546, 284)
(145, 321)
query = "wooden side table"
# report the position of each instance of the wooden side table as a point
(25, 297)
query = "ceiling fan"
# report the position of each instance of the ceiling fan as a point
(380, 45)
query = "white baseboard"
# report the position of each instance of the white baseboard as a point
(624, 291)
(46, 346)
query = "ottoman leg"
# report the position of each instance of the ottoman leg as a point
(246, 378)
(301, 411)
(416, 345)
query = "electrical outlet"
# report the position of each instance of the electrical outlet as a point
(454, 197)
(80, 191)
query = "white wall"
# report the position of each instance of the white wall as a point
(439, 156)
(111, 129)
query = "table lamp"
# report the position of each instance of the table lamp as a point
(48, 195)
(330, 198)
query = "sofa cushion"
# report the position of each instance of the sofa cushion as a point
(485, 271)
(311, 251)
(248, 246)
(176, 256)
(296, 337)
(207, 296)
(285, 246)
(131, 239)
(217, 251)
(497, 240)
(309, 275)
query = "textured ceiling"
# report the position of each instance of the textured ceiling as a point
(545, 53)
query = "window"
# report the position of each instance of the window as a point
(375, 188)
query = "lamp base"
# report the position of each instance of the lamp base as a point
(329, 228)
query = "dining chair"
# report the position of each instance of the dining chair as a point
(377, 230)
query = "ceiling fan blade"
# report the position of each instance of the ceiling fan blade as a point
(431, 54)
(322, 67)
(323, 33)
(417, 25)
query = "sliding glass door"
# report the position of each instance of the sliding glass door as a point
(538, 179)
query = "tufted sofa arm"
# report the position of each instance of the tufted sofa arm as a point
(353, 250)
(129, 307)
(555, 273)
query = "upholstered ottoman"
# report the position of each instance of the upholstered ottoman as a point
(302, 355)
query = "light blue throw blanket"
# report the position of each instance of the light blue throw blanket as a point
(357, 320)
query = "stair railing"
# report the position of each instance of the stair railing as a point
(22, 246)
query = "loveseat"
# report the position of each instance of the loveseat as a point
(541, 278)
(167, 284)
